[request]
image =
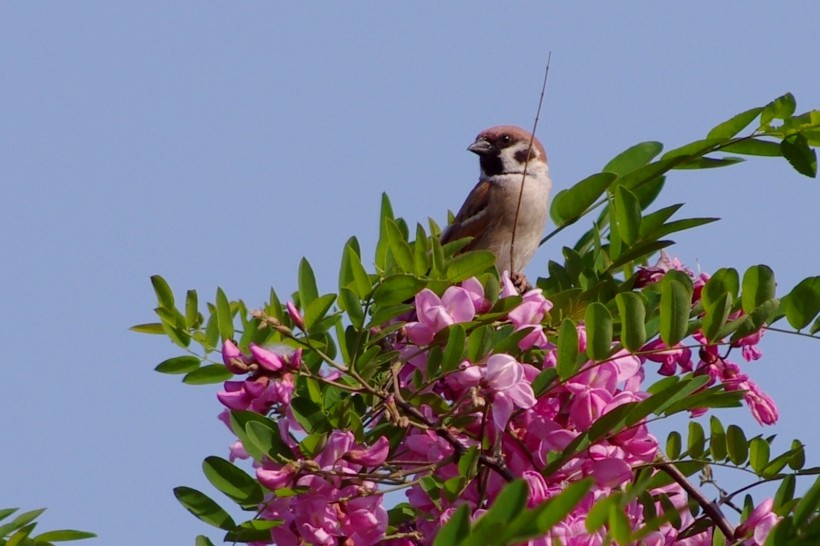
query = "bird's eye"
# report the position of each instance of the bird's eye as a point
(506, 139)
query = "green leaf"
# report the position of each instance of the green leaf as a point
(636, 156)
(633, 320)
(421, 252)
(627, 214)
(674, 311)
(203, 507)
(469, 265)
(785, 493)
(619, 526)
(309, 414)
(754, 146)
(397, 289)
(799, 154)
(697, 440)
(723, 281)
(454, 350)
(6, 512)
(599, 513)
(599, 331)
(717, 439)
(456, 529)
(648, 191)
(656, 219)
(673, 445)
(206, 375)
(677, 225)
(806, 509)
(557, 508)
(351, 304)
(753, 322)
(803, 302)
(508, 504)
(799, 458)
(780, 108)
(710, 162)
(307, 284)
(567, 363)
(202, 540)
(735, 124)
(352, 274)
(224, 315)
(399, 247)
(736, 445)
(714, 397)
(191, 309)
(260, 435)
(179, 364)
(62, 535)
(611, 422)
(383, 244)
(715, 318)
(20, 521)
(212, 329)
(665, 397)
(316, 310)
(570, 204)
(758, 287)
(153, 328)
(758, 454)
(232, 481)
(255, 530)
(165, 296)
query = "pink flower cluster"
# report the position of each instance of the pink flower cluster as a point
(334, 495)
(494, 396)
(718, 368)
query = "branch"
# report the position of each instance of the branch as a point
(710, 508)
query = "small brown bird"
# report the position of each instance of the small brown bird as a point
(488, 214)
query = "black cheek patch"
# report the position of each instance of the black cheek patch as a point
(521, 156)
(491, 165)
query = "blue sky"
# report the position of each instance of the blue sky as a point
(218, 143)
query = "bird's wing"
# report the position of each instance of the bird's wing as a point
(472, 218)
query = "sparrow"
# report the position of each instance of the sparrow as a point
(488, 214)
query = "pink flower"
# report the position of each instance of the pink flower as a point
(237, 451)
(265, 358)
(748, 345)
(275, 476)
(363, 519)
(763, 407)
(507, 287)
(539, 492)
(669, 357)
(435, 314)
(610, 472)
(476, 291)
(652, 274)
(233, 358)
(529, 315)
(759, 523)
(295, 316)
(504, 377)
(371, 456)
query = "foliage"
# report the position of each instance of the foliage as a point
(508, 417)
(18, 532)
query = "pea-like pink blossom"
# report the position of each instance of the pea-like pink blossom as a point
(435, 314)
(504, 378)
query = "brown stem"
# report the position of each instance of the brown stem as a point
(710, 508)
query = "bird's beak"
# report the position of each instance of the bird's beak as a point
(480, 147)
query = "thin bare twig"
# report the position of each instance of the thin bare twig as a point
(527, 162)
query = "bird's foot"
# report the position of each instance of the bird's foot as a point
(520, 282)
